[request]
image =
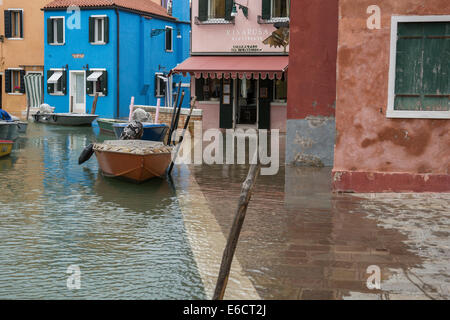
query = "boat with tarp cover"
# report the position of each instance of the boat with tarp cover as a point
(134, 160)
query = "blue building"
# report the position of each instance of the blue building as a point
(118, 48)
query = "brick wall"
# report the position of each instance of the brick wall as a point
(165, 116)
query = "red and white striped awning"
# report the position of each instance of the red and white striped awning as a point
(218, 67)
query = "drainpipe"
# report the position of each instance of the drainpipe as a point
(118, 64)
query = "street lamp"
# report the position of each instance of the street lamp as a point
(234, 11)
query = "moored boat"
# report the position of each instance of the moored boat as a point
(135, 160)
(152, 132)
(8, 130)
(65, 119)
(22, 126)
(106, 125)
(5, 147)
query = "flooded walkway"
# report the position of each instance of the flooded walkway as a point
(164, 241)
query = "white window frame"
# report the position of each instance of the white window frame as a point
(100, 94)
(12, 27)
(391, 113)
(158, 85)
(55, 31)
(103, 21)
(171, 39)
(12, 93)
(56, 93)
(278, 19)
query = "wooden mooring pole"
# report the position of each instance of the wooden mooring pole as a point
(94, 104)
(228, 254)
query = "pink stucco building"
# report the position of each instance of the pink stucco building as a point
(238, 75)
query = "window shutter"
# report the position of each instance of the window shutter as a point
(169, 39)
(228, 9)
(156, 85)
(8, 31)
(50, 31)
(22, 81)
(266, 9)
(106, 29)
(50, 86)
(60, 33)
(203, 10)
(104, 83)
(8, 81)
(64, 82)
(21, 24)
(199, 83)
(89, 84)
(91, 30)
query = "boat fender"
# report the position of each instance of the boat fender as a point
(54, 118)
(86, 154)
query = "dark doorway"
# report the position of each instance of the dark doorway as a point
(247, 102)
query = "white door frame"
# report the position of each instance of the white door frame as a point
(72, 72)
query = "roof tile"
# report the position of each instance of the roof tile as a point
(145, 6)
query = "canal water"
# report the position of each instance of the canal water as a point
(129, 241)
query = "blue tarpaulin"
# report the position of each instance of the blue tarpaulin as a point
(4, 115)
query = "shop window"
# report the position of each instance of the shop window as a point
(98, 29)
(208, 89)
(14, 24)
(55, 31)
(97, 82)
(169, 39)
(160, 85)
(280, 90)
(420, 70)
(56, 82)
(14, 82)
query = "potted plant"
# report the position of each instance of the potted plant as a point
(16, 89)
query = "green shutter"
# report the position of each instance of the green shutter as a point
(50, 31)
(199, 83)
(8, 31)
(50, 86)
(64, 82)
(203, 10)
(104, 82)
(60, 33)
(21, 23)
(226, 110)
(266, 9)
(228, 9)
(8, 81)
(106, 30)
(91, 30)
(422, 68)
(264, 104)
(22, 81)
(89, 84)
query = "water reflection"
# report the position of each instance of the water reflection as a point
(128, 240)
(300, 241)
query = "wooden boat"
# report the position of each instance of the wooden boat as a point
(135, 160)
(65, 119)
(106, 125)
(8, 130)
(5, 147)
(152, 132)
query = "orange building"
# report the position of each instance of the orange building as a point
(21, 51)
